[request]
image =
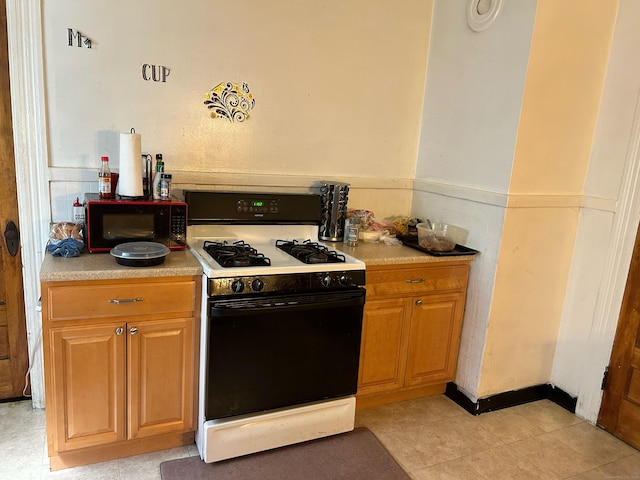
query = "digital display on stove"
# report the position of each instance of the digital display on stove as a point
(257, 203)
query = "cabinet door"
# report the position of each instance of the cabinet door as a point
(434, 338)
(384, 347)
(88, 379)
(160, 377)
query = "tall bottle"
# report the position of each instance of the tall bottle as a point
(157, 177)
(104, 179)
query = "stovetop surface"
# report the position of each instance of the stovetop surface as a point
(263, 239)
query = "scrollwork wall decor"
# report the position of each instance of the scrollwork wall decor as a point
(230, 101)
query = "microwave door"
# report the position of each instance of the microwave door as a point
(128, 227)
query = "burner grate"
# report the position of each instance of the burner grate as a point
(309, 252)
(237, 254)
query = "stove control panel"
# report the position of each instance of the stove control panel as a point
(286, 283)
(258, 206)
(206, 208)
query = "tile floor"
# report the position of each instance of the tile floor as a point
(432, 438)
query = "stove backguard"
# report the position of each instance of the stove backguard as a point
(210, 208)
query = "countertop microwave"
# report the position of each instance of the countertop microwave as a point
(110, 222)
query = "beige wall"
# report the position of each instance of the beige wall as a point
(565, 76)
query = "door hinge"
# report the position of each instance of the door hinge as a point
(604, 378)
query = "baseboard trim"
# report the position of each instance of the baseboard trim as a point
(511, 399)
(15, 399)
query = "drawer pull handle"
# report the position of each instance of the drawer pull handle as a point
(419, 280)
(133, 330)
(126, 300)
(119, 331)
(418, 302)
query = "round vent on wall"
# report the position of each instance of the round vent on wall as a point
(482, 13)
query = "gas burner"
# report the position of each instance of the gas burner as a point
(309, 252)
(238, 254)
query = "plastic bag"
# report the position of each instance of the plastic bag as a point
(389, 239)
(65, 239)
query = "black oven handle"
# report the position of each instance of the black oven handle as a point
(291, 302)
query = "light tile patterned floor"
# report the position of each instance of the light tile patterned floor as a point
(432, 438)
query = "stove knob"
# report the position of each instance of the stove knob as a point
(345, 280)
(326, 280)
(237, 286)
(257, 285)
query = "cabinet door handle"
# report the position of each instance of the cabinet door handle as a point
(126, 300)
(417, 280)
(418, 302)
(133, 330)
(119, 331)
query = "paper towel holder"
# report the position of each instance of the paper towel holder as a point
(130, 182)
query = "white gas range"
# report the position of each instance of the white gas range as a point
(281, 323)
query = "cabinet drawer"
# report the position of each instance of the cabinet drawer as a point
(83, 301)
(390, 281)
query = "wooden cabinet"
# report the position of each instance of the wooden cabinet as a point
(411, 330)
(120, 367)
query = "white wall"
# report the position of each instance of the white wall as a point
(338, 94)
(473, 96)
(472, 105)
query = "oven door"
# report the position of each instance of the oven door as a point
(278, 351)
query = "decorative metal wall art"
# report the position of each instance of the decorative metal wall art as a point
(157, 73)
(228, 100)
(82, 40)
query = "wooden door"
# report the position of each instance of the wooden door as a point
(14, 361)
(436, 323)
(620, 409)
(161, 376)
(88, 381)
(383, 349)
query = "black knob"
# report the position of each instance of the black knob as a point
(237, 286)
(326, 280)
(345, 280)
(257, 285)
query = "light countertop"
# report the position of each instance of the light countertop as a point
(382, 254)
(102, 266)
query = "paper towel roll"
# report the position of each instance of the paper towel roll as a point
(130, 181)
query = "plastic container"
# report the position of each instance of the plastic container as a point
(370, 236)
(165, 186)
(157, 177)
(140, 254)
(78, 212)
(351, 228)
(441, 237)
(104, 179)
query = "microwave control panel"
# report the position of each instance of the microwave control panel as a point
(178, 225)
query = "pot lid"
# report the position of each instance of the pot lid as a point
(139, 250)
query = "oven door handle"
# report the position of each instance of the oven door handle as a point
(257, 305)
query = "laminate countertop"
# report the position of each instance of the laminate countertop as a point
(381, 254)
(103, 266)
